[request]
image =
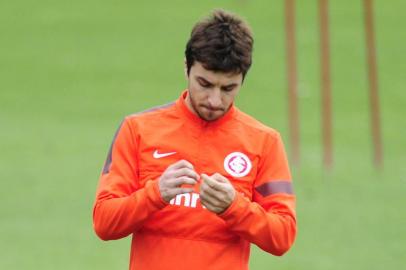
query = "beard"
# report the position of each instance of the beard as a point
(204, 111)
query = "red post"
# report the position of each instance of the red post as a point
(292, 79)
(373, 83)
(325, 84)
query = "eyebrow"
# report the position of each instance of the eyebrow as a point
(223, 86)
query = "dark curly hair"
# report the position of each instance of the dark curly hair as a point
(223, 42)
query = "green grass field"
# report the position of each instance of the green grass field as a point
(70, 71)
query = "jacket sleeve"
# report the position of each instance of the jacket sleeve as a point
(122, 205)
(269, 220)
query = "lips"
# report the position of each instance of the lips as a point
(211, 109)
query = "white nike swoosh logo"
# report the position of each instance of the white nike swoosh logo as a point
(156, 154)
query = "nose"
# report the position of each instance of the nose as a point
(214, 99)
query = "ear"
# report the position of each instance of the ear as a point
(185, 69)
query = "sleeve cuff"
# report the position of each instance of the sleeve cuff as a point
(154, 195)
(232, 213)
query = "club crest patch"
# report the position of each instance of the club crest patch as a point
(237, 164)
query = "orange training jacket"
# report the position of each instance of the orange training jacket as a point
(182, 234)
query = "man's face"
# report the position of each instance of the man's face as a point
(211, 93)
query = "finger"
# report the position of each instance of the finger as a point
(181, 164)
(211, 207)
(208, 198)
(180, 181)
(212, 183)
(220, 178)
(185, 172)
(211, 194)
(206, 189)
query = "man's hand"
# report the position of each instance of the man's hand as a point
(216, 193)
(174, 177)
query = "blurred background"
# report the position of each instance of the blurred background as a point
(71, 70)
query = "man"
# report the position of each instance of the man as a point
(196, 181)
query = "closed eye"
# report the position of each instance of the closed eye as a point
(228, 88)
(204, 83)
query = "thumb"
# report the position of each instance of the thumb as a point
(204, 176)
